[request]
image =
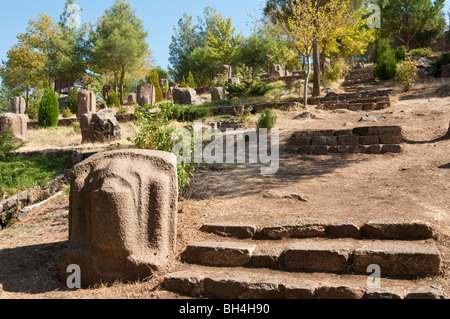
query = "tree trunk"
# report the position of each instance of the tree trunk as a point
(115, 82)
(322, 60)
(122, 78)
(308, 75)
(316, 60)
(27, 102)
(303, 63)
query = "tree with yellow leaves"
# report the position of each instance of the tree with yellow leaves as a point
(222, 43)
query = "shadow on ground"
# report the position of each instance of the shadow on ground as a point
(32, 269)
(240, 180)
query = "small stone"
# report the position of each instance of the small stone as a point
(433, 292)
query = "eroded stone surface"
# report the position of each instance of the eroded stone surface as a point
(123, 215)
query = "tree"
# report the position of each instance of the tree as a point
(119, 41)
(221, 41)
(27, 64)
(305, 22)
(187, 38)
(406, 19)
(190, 81)
(67, 53)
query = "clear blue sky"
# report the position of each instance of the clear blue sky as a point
(159, 17)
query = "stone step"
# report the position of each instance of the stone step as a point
(394, 258)
(308, 228)
(245, 284)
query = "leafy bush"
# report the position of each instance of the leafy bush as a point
(406, 73)
(183, 113)
(156, 134)
(190, 81)
(248, 88)
(444, 59)
(48, 115)
(267, 120)
(113, 100)
(421, 53)
(386, 68)
(7, 143)
(337, 71)
(67, 113)
(33, 111)
(77, 128)
(72, 101)
(400, 53)
(381, 46)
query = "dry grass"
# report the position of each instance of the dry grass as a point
(67, 138)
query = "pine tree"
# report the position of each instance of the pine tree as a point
(49, 109)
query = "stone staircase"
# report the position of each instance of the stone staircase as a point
(312, 259)
(360, 77)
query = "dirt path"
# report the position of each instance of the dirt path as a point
(412, 185)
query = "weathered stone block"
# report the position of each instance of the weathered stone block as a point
(217, 94)
(355, 106)
(146, 95)
(99, 128)
(391, 139)
(132, 99)
(230, 230)
(18, 124)
(296, 228)
(348, 140)
(398, 259)
(305, 140)
(320, 150)
(18, 105)
(391, 149)
(369, 140)
(397, 230)
(219, 254)
(87, 103)
(183, 96)
(122, 216)
(324, 140)
(373, 149)
(318, 256)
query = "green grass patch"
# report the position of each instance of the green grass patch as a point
(18, 173)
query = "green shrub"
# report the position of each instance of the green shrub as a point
(406, 73)
(48, 115)
(33, 111)
(190, 81)
(444, 59)
(267, 120)
(386, 67)
(381, 46)
(421, 53)
(183, 83)
(337, 71)
(72, 101)
(183, 113)
(156, 134)
(153, 78)
(77, 127)
(7, 143)
(248, 88)
(67, 113)
(386, 70)
(113, 100)
(400, 53)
